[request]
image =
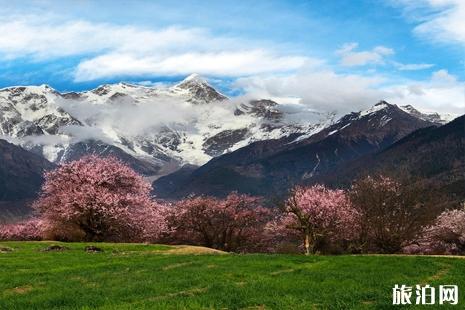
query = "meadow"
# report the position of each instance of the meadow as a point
(142, 276)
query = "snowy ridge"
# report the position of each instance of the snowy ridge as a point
(189, 122)
(164, 126)
(434, 117)
(377, 107)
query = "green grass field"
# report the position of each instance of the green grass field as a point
(137, 276)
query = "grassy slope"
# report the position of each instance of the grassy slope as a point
(134, 276)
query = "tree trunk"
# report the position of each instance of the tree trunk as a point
(307, 243)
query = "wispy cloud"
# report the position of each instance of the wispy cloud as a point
(119, 50)
(229, 63)
(443, 92)
(438, 20)
(350, 57)
(412, 67)
(323, 90)
(45, 37)
(330, 91)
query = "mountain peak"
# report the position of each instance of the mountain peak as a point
(195, 77)
(200, 90)
(383, 103)
(45, 86)
(409, 107)
(434, 117)
(30, 88)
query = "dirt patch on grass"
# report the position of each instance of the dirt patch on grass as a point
(92, 249)
(192, 250)
(368, 302)
(176, 265)
(55, 248)
(190, 292)
(85, 282)
(20, 289)
(5, 249)
(278, 272)
(438, 275)
(185, 293)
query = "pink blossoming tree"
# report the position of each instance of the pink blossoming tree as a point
(316, 212)
(26, 230)
(231, 224)
(97, 199)
(445, 236)
(391, 212)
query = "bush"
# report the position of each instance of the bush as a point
(23, 231)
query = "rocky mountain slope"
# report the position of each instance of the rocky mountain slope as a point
(434, 156)
(270, 167)
(20, 178)
(20, 172)
(433, 117)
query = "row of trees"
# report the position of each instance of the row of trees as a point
(101, 199)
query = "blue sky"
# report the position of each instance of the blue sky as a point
(379, 48)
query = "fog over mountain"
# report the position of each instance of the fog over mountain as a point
(163, 126)
(271, 167)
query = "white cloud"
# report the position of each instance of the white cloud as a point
(110, 50)
(412, 67)
(82, 133)
(45, 38)
(443, 77)
(448, 24)
(127, 117)
(114, 50)
(439, 20)
(350, 57)
(443, 93)
(230, 63)
(376, 56)
(329, 91)
(321, 90)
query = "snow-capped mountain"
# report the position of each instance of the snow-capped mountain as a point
(433, 117)
(32, 110)
(271, 167)
(155, 129)
(160, 128)
(198, 90)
